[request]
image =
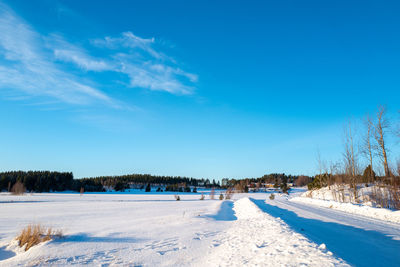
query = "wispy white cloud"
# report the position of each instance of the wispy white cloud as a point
(26, 65)
(82, 60)
(30, 62)
(135, 57)
(65, 51)
(129, 40)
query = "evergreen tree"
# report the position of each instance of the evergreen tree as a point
(148, 188)
(368, 175)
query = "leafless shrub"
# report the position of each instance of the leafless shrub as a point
(202, 196)
(380, 196)
(309, 193)
(386, 194)
(302, 180)
(177, 197)
(394, 194)
(335, 192)
(342, 195)
(350, 159)
(228, 193)
(272, 196)
(221, 196)
(212, 193)
(18, 188)
(35, 234)
(398, 169)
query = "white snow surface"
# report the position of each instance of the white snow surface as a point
(258, 239)
(323, 198)
(154, 230)
(357, 239)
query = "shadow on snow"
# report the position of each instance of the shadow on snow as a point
(83, 237)
(6, 254)
(225, 212)
(356, 246)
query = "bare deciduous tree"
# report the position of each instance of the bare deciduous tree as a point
(321, 166)
(380, 129)
(349, 151)
(398, 168)
(367, 146)
(350, 159)
(398, 129)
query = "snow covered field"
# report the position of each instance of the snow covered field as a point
(156, 230)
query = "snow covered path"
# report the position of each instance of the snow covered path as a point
(359, 240)
(258, 239)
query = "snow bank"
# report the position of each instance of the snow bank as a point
(359, 209)
(258, 239)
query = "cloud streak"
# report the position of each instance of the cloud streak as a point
(41, 65)
(25, 65)
(137, 59)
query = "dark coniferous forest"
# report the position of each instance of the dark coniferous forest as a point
(51, 181)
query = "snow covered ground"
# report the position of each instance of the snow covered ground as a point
(324, 198)
(119, 229)
(258, 239)
(155, 230)
(357, 239)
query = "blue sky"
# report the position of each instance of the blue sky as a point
(195, 88)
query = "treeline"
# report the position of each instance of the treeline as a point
(47, 181)
(38, 181)
(139, 181)
(278, 180)
(266, 179)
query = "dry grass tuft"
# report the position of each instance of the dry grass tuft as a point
(35, 234)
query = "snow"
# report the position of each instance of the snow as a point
(324, 198)
(257, 238)
(358, 240)
(151, 230)
(120, 229)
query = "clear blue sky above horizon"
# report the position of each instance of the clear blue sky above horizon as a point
(196, 88)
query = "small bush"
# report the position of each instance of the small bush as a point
(177, 198)
(18, 188)
(212, 193)
(272, 197)
(35, 234)
(202, 196)
(228, 193)
(221, 196)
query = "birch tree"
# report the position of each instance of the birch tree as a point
(350, 158)
(380, 130)
(367, 146)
